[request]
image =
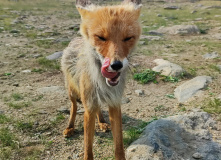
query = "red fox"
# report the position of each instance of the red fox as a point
(95, 67)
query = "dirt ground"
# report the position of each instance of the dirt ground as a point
(30, 31)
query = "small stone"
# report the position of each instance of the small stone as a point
(37, 55)
(159, 15)
(142, 42)
(81, 111)
(15, 84)
(211, 55)
(64, 110)
(198, 19)
(14, 31)
(26, 71)
(171, 7)
(197, 155)
(219, 66)
(55, 55)
(125, 100)
(139, 92)
(193, 12)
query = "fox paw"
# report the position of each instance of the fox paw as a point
(104, 127)
(68, 132)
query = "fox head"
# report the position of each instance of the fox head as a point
(113, 32)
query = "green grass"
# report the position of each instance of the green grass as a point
(212, 106)
(149, 75)
(58, 119)
(37, 98)
(133, 133)
(3, 119)
(38, 70)
(24, 126)
(17, 96)
(52, 64)
(7, 138)
(19, 105)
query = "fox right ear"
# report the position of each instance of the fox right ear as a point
(83, 12)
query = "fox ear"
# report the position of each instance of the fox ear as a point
(137, 12)
(83, 12)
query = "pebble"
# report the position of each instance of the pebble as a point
(125, 100)
(197, 155)
(64, 110)
(81, 111)
(139, 92)
(26, 71)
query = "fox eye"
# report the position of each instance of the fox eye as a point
(102, 38)
(127, 39)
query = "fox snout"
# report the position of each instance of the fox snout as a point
(116, 65)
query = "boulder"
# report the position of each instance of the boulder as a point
(191, 87)
(177, 138)
(167, 68)
(211, 55)
(180, 29)
(55, 55)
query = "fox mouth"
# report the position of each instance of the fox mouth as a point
(112, 77)
(113, 81)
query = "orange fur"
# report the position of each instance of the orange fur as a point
(112, 32)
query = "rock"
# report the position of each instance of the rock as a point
(211, 55)
(15, 84)
(217, 36)
(14, 31)
(26, 71)
(51, 89)
(155, 33)
(37, 55)
(176, 138)
(191, 87)
(75, 27)
(81, 111)
(167, 68)
(217, 16)
(55, 55)
(142, 42)
(180, 29)
(197, 155)
(171, 7)
(139, 92)
(64, 110)
(125, 100)
(151, 38)
(219, 67)
(194, 11)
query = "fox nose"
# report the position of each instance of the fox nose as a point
(116, 65)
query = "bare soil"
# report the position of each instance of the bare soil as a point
(44, 140)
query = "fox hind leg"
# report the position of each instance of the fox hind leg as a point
(69, 131)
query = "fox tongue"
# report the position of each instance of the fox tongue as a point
(104, 69)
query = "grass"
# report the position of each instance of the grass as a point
(149, 75)
(24, 126)
(52, 64)
(19, 105)
(7, 138)
(3, 119)
(58, 119)
(133, 133)
(17, 96)
(213, 106)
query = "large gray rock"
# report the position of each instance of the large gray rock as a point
(211, 55)
(55, 55)
(181, 137)
(180, 29)
(167, 68)
(191, 87)
(52, 89)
